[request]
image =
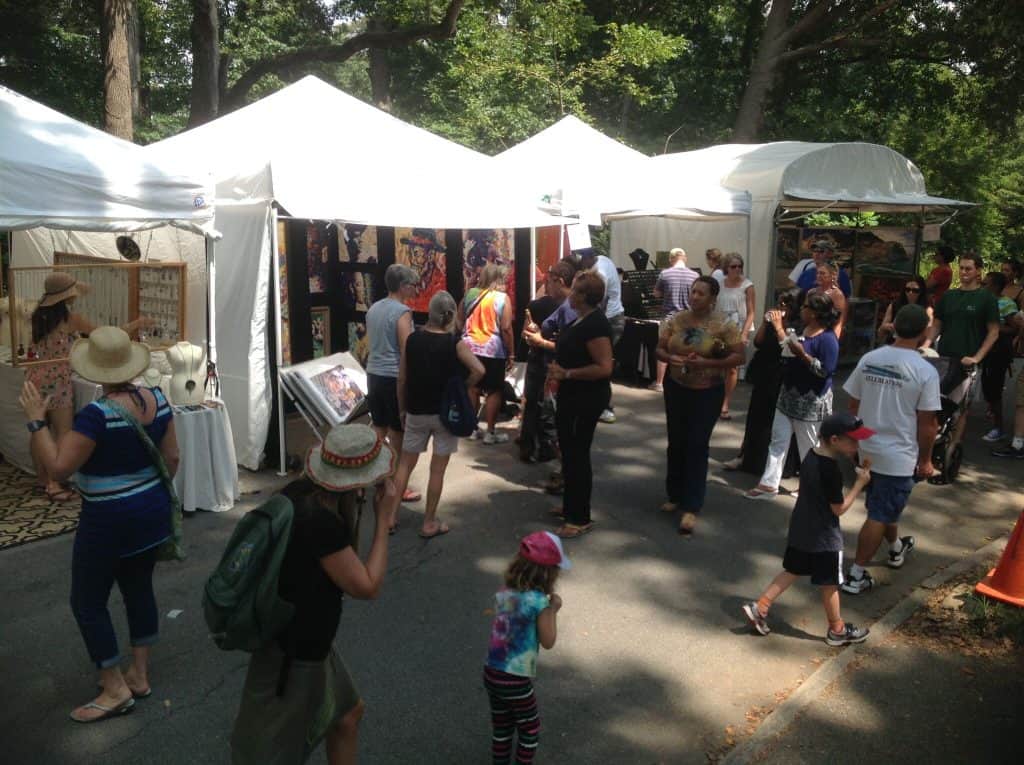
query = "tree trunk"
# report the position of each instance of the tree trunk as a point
(206, 72)
(763, 71)
(135, 60)
(117, 79)
(380, 71)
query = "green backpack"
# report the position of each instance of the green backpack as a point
(241, 603)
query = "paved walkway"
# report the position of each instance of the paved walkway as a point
(653, 661)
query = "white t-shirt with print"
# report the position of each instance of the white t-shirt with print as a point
(893, 385)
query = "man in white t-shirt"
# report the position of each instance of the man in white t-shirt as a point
(613, 309)
(896, 393)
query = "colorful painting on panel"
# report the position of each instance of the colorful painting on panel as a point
(481, 246)
(358, 342)
(320, 319)
(423, 249)
(358, 243)
(547, 252)
(316, 258)
(282, 278)
(357, 291)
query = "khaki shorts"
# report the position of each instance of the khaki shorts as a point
(420, 428)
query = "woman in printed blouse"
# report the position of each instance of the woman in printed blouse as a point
(805, 398)
(700, 346)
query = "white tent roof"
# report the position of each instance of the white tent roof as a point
(810, 175)
(322, 154)
(60, 173)
(580, 171)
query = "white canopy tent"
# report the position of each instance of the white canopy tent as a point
(577, 170)
(320, 154)
(786, 177)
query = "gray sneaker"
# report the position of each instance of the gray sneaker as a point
(1009, 451)
(753, 614)
(850, 635)
(857, 585)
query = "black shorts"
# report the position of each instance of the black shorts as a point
(382, 400)
(822, 567)
(494, 375)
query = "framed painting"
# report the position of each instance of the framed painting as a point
(357, 290)
(481, 246)
(358, 342)
(886, 251)
(320, 318)
(423, 250)
(282, 278)
(358, 243)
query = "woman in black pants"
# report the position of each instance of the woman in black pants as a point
(582, 368)
(700, 346)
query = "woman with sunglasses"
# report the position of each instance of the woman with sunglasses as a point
(914, 292)
(736, 300)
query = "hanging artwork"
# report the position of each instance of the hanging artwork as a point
(358, 245)
(481, 246)
(282, 278)
(358, 342)
(548, 251)
(316, 258)
(423, 249)
(320, 318)
(886, 251)
(357, 290)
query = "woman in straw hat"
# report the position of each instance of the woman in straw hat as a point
(298, 690)
(126, 507)
(54, 328)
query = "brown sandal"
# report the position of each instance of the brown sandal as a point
(571, 530)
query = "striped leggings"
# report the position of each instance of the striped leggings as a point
(513, 707)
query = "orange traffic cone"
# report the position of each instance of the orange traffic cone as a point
(1006, 581)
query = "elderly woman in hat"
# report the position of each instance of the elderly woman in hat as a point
(298, 690)
(126, 506)
(54, 328)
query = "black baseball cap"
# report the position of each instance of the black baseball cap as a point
(844, 424)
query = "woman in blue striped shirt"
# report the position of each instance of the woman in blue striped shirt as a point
(125, 508)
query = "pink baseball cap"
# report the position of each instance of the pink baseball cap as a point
(544, 548)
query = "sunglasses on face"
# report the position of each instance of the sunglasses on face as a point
(735, 266)
(911, 289)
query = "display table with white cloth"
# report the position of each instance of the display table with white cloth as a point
(207, 477)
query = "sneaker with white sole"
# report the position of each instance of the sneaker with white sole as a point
(490, 437)
(994, 435)
(1009, 451)
(851, 634)
(857, 585)
(477, 435)
(896, 559)
(607, 416)
(757, 621)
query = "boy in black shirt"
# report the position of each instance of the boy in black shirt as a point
(815, 543)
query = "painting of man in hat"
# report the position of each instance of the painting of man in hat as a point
(481, 246)
(423, 249)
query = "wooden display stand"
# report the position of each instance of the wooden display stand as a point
(118, 294)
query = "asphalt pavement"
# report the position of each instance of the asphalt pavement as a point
(654, 661)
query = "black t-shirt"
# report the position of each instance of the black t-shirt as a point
(571, 351)
(316, 533)
(430, 361)
(813, 526)
(540, 309)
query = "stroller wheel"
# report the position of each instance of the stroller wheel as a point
(953, 464)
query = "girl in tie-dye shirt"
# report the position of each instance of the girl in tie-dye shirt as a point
(524, 619)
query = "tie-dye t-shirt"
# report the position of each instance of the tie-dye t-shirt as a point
(483, 327)
(514, 643)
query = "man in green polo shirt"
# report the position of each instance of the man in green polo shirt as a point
(966, 323)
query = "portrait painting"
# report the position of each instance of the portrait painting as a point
(358, 341)
(423, 250)
(321, 325)
(357, 291)
(358, 243)
(316, 257)
(490, 245)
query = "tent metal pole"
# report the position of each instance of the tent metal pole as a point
(533, 262)
(279, 350)
(211, 298)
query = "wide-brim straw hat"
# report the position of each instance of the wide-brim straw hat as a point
(108, 356)
(59, 286)
(352, 456)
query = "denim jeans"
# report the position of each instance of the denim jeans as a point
(93, 573)
(691, 414)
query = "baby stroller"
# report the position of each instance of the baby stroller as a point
(956, 388)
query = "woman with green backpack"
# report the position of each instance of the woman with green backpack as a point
(298, 691)
(130, 518)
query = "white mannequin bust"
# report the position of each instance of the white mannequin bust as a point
(188, 373)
